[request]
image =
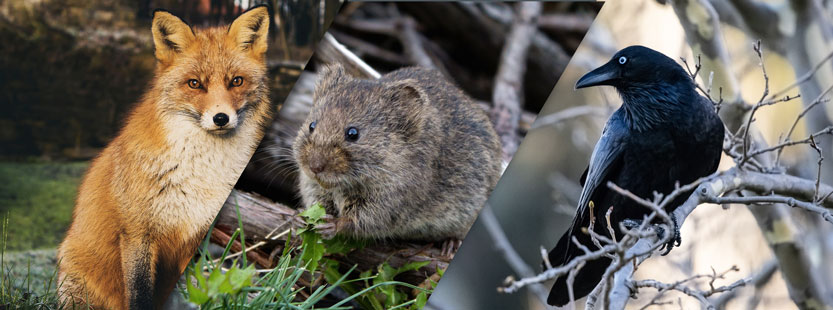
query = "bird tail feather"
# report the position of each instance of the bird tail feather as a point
(586, 279)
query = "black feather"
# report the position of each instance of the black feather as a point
(663, 133)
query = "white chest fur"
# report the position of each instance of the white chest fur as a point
(206, 168)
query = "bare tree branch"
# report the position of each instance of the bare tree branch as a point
(569, 113)
(508, 92)
(565, 22)
(330, 51)
(487, 217)
(758, 279)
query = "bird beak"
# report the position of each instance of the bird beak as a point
(603, 75)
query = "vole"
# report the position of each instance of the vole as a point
(406, 156)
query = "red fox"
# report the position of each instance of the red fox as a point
(150, 196)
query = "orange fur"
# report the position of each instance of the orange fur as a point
(150, 196)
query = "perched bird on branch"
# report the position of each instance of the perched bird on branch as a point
(663, 134)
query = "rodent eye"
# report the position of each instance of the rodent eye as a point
(352, 134)
(236, 81)
(623, 60)
(194, 84)
(312, 126)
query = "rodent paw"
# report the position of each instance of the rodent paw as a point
(450, 246)
(329, 227)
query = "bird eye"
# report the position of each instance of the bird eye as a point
(312, 126)
(623, 60)
(194, 84)
(236, 81)
(352, 134)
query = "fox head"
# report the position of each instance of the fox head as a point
(214, 75)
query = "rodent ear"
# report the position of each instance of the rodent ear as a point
(405, 91)
(411, 100)
(250, 31)
(171, 35)
(329, 76)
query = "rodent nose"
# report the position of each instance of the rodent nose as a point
(220, 119)
(317, 165)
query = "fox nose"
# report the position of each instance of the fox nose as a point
(317, 165)
(220, 119)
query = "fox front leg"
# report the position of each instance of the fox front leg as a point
(137, 265)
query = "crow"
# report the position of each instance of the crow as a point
(664, 134)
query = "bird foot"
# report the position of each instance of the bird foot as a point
(676, 239)
(631, 223)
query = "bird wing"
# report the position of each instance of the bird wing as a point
(606, 155)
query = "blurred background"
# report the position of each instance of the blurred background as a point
(535, 200)
(69, 72)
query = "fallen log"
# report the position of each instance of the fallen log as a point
(272, 223)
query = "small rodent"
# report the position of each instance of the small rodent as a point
(406, 156)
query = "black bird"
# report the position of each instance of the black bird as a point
(664, 133)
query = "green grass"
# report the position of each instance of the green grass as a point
(38, 198)
(36, 267)
(237, 285)
(36, 201)
(27, 279)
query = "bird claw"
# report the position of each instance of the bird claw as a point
(631, 223)
(676, 240)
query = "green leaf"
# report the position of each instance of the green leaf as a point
(412, 266)
(198, 274)
(240, 278)
(196, 295)
(225, 286)
(313, 249)
(342, 245)
(421, 300)
(314, 213)
(215, 280)
(331, 274)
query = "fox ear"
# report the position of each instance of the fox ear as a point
(250, 30)
(170, 35)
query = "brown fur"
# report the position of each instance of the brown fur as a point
(425, 161)
(150, 196)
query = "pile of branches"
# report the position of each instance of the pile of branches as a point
(369, 38)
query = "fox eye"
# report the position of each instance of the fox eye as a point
(236, 81)
(352, 134)
(312, 126)
(194, 84)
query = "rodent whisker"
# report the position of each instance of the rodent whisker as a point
(288, 131)
(282, 170)
(276, 157)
